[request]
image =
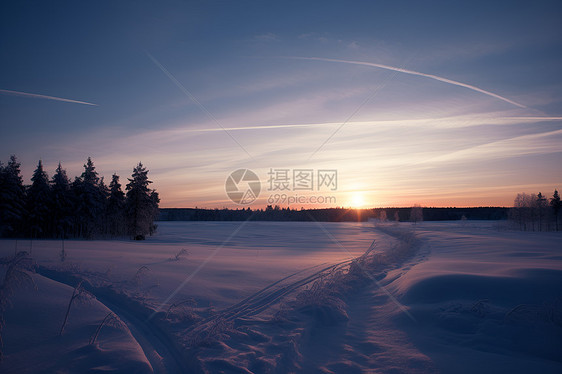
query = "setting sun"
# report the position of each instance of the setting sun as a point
(357, 200)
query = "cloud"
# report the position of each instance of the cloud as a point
(267, 37)
(412, 72)
(38, 96)
(540, 143)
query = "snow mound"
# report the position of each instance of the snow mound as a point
(32, 343)
(491, 299)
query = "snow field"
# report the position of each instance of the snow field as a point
(287, 297)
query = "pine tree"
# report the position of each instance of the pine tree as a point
(90, 175)
(61, 203)
(76, 195)
(90, 201)
(84, 208)
(116, 207)
(104, 190)
(140, 205)
(104, 194)
(38, 201)
(12, 198)
(555, 204)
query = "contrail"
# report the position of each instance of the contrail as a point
(38, 96)
(411, 121)
(261, 127)
(194, 99)
(412, 72)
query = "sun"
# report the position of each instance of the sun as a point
(357, 200)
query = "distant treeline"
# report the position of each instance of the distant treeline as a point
(83, 208)
(333, 214)
(536, 212)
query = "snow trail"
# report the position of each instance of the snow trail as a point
(161, 351)
(168, 352)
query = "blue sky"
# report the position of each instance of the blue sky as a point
(396, 138)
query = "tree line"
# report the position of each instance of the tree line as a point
(276, 213)
(83, 208)
(536, 212)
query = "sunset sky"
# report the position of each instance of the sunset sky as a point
(437, 103)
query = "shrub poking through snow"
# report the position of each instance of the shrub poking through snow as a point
(16, 276)
(111, 319)
(360, 267)
(79, 295)
(550, 312)
(216, 330)
(183, 304)
(177, 256)
(323, 301)
(142, 279)
(140, 275)
(480, 308)
(281, 315)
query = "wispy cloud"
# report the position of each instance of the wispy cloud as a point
(38, 96)
(412, 72)
(267, 37)
(540, 143)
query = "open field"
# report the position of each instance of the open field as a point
(298, 297)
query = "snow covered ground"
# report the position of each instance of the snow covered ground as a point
(287, 297)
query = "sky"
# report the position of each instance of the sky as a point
(438, 103)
